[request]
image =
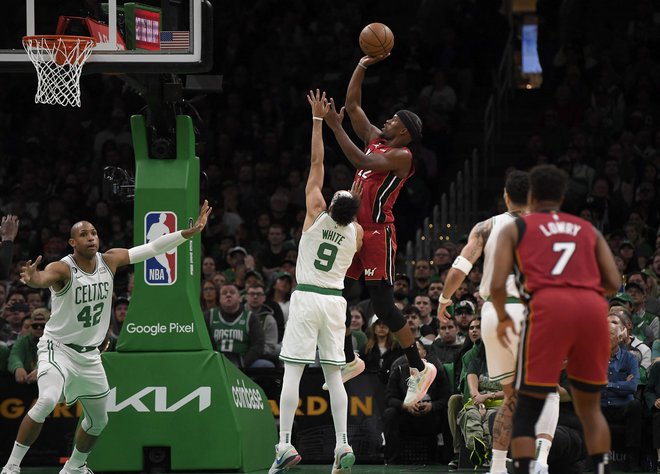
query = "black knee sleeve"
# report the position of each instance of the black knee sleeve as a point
(527, 413)
(382, 300)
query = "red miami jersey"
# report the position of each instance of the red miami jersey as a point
(556, 250)
(379, 188)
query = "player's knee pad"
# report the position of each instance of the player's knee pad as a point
(45, 404)
(527, 413)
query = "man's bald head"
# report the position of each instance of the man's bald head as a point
(78, 226)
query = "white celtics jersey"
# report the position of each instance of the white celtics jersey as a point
(81, 310)
(325, 252)
(498, 222)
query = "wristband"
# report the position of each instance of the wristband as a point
(362, 66)
(320, 119)
(462, 264)
(443, 300)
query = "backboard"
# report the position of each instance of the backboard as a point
(146, 36)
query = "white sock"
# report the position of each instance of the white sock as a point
(338, 402)
(285, 437)
(17, 453)
(78, 458)
(542, 450)
(498, 462)
(289, 399)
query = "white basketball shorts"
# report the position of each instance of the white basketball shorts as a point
(315, 319)
(501, 360)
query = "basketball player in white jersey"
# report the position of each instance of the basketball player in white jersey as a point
(318, 310)
(69, 366)
(501, 361)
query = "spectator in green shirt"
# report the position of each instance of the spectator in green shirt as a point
(23, 356)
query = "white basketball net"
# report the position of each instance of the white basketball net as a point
(59, 62)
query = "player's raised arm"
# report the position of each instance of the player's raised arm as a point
(119, 256)
(361, 125)
(462, 265)
(54, 273)
(313, 195)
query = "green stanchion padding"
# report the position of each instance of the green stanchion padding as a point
(165, 312)
(211, 415)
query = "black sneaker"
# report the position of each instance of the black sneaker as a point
(453, 464)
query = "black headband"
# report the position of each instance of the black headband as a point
(412, 123)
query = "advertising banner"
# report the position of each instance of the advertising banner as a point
(165, 314)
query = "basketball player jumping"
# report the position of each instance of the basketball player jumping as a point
(564, 266)
(501, 360)
(316, 316)
(69, 364)
(382, 169)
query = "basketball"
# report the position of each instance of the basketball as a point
(376, 39)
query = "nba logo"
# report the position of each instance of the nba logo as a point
(161, 269)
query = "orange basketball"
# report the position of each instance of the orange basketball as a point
(376, 39)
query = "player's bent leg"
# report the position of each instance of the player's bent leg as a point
(596, 429)
(344, 456)
(528, 410)
(545, 431)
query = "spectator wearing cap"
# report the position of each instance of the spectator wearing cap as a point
(421, 278)
(645, 281)
(464, 314)
(23, 356)
(622, 299)
(236, 257)
(280, 292)
(270, 258)
(16, 309)
(381, 350)
(646, 325)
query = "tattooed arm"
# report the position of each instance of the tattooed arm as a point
(471, 252)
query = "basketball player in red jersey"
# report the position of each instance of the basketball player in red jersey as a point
(382, 169)
(564, 267)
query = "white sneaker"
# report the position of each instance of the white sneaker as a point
(344, 460)
(419, 383)
(286, 456)
(350, 371)
(11, 469)
(69, 469)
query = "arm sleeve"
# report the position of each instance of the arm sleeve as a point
(6, 254)
(256, 342)
(158, 246)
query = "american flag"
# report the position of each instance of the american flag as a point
(175, 40)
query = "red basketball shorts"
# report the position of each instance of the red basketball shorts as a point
(377, 256)
(565, 325)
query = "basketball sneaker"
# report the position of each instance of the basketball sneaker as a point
(69, 469)
(344, 460)
(11, 469)
(350, 371)
(419, 383)
(286, 456)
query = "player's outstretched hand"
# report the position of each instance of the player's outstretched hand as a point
(29, 269)
(443, 314)
(356, 190)
(334, 118)
(320, 105)
(367, 61)
(504, 329)
(201, 221)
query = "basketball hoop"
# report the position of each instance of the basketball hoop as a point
(58, 60)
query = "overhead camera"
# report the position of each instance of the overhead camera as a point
(118, 184)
